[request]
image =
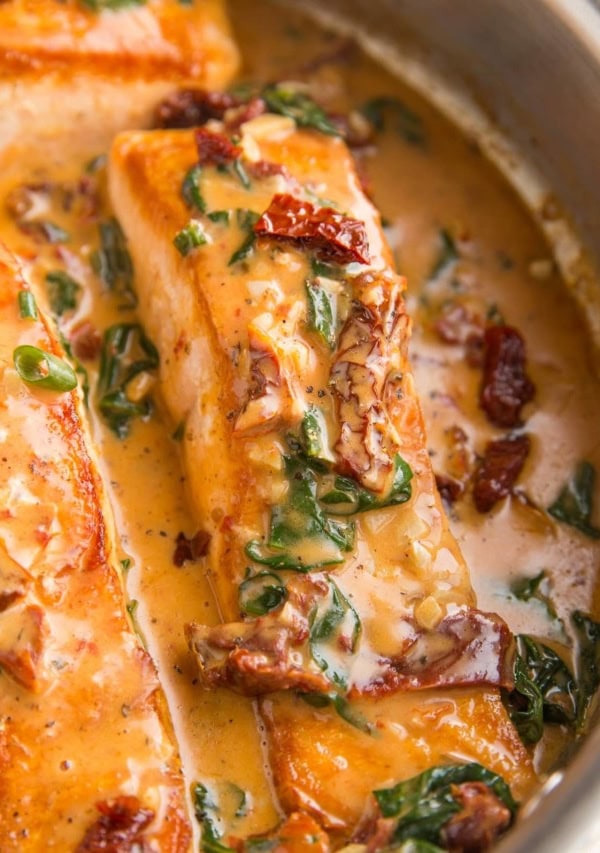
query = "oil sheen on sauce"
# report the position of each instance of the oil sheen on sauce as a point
(427, 182)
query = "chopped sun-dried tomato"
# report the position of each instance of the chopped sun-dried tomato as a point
(245, 112)
(193, 108)
(86, 341)
(449, 488)
(265, 169)
(119, 829)
(499, 469)
(506, 387)
(215, 149)
(190, 549)
(331, 235)
(482, 818)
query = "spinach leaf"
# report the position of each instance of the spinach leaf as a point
(407, 123)
(126, 352)
(261, 593)
(246, 220)
(342, 707)
(205, 810)
(334, 632)
(447, 254)
(423, 804)
(545, 690)
(289, 101)
(525, 704)
(313, 432)
(348, 491)
(62, 292)
(587, 662)
(322, 313)
(574, 503)
(553, 679)
(190, 189)
(526, 588)
(112, 262)
(302, 517)
(256, 551)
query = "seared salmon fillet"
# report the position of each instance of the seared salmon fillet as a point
(81, 64)
(86, 750)
(266, 284)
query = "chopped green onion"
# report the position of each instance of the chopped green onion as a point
(43, 370)
(27, 307)
(190, 238)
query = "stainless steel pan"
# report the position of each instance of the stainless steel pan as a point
(525, 76)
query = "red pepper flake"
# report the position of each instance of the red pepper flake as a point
(119, 829)
(193, 108)
(331, 235)
(215, 149)
(506, 387)
(190, 549)
(499, 469)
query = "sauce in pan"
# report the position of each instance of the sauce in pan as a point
(473, 258)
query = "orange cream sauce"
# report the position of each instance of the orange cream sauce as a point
(443, 183)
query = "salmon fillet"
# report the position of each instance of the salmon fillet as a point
(70, 65)
(283, 339)
(85, 739)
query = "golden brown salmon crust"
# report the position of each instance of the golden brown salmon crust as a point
(242, 362)
(82, 720)
(65, 65)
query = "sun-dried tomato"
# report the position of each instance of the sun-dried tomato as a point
(215, 149)
(190, 549)
(506, 387)
(245, 112)
(499, 469)
(266, 169)
(456, 324)
(482, 818)
(86, 341)
(193, 108)
(449, 488)
(119, 829)
(331, 235)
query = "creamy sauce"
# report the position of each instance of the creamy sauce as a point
(419, 188)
